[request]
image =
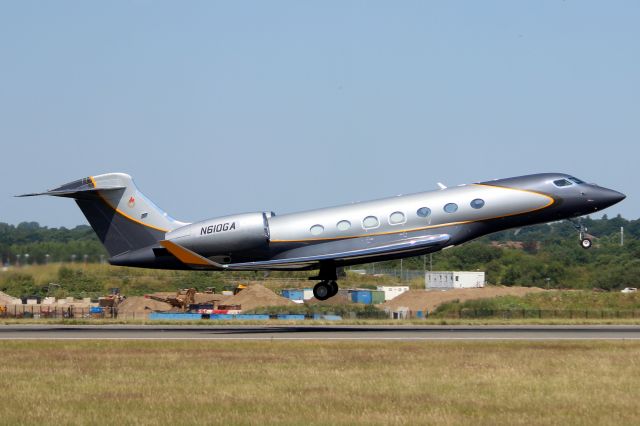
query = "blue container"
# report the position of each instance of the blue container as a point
(293, 294)
(252, 317)
(419, 314)
(291, 317)
(297, 295)
(361, 296)
(95, 310)
(222, 316)
(173, 316)
(332, 317)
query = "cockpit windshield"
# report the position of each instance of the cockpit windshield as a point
(569, 181)
(562, 183)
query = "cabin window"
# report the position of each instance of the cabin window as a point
(576, 180)
(562, 182)
(370, 222)
(478, 203)
(451, 208)
(397, 218)
(424, 212)
(343, 225)
(316, 229)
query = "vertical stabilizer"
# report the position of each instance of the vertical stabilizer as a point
(122, 217)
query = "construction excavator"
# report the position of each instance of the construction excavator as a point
(108, 303)
(181, 300)
(234, 289)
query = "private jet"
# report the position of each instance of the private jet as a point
(135, 232)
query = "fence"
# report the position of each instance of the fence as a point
(536, 313)
(77, 312)
(401, 275)
(59, 312)
(44, 311)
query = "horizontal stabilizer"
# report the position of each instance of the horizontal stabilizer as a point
(78, 189)
(71, 193)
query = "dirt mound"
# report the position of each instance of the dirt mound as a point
(257, 296)
(200, 298)
(203, 298)
(5, 299)
(338, 299)
(420, 300)
(141, 305)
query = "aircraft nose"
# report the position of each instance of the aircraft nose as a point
(608, 197)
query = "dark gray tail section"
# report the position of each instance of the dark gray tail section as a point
(122, 217)
(117, 233)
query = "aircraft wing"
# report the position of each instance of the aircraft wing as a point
(190, 258)
(195, 261)
(405, 246)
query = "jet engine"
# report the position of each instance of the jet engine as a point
(224, 235)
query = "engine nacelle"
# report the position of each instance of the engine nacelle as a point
(223, 235)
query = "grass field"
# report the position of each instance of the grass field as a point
(200, 382)
(575, 300)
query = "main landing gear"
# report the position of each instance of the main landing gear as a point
(325, 289)
(328, 287)
(586, 240)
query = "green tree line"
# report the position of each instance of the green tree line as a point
(30, 243)
(547, 255)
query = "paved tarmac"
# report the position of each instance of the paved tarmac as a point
(337, 332)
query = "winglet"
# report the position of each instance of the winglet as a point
(441, 185)
(189, 257)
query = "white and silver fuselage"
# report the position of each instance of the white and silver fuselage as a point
(135, 232)
(460, 213)
(406, 213)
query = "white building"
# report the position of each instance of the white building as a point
(453, 279)
(391, 291)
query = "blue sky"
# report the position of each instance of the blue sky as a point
(223, 107)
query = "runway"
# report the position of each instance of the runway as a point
(337, 332)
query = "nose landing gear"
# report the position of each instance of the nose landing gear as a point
(328, 287)
(586, 240)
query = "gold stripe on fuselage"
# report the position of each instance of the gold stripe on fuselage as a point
(551, 201)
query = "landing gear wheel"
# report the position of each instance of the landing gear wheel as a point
(322, 290)
(334, 288)
(586, 240)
